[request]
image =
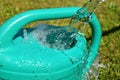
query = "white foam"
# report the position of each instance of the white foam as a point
(54, 36)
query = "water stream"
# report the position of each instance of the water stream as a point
(93, 73)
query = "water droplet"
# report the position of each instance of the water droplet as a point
(25, 34)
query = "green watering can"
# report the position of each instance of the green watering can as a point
(28, 60)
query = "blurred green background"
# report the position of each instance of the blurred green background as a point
(108, 14)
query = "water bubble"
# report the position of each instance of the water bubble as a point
(25, 34)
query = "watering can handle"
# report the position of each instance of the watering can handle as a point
(13, 25)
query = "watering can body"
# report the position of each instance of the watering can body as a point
(28, 60)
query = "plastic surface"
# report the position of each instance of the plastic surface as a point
(28, 60)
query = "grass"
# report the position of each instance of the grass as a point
(108, 14)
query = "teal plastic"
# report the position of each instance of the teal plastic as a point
(28, 60)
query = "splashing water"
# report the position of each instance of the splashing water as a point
(93, 73)
(54, 36)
